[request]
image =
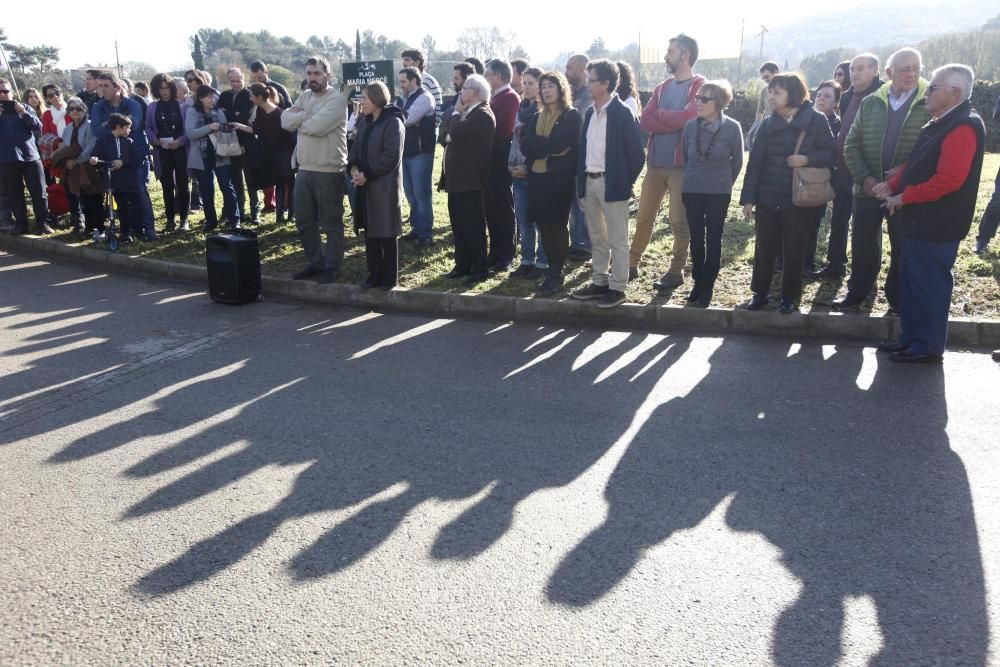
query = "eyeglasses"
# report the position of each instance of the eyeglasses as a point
(72, 109)
(906, 70)
(5, 92)
(189, 80)
(933, 86)
(52, 94)
(704, 99)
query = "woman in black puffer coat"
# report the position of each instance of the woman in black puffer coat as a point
(768, 186)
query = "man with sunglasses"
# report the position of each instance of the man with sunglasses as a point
(933, 195)
(20, 164)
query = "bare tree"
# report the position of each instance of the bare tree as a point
(486, 42)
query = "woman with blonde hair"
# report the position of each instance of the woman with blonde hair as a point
(550, 144)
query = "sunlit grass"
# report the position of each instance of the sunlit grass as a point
(977, 279)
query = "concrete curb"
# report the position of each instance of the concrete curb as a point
(962, 332)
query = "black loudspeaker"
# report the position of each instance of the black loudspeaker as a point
(233, 267)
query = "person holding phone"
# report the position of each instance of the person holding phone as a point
(20, 164)
(201, 122)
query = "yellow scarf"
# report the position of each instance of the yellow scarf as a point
(543, 127)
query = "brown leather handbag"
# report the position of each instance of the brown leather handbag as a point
(810, 185)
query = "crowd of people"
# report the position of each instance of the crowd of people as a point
(548, 161)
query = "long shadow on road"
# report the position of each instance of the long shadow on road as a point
(841, 463)
(855, 484)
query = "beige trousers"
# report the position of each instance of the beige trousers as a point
(656, 184)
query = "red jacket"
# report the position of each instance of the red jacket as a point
(661, 121)
(504, 106)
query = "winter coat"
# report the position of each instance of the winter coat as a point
(378, 153)
(863, 148)
(565, 134)
(151, 132)
(624, 156)
(467, 158)
(768, 179)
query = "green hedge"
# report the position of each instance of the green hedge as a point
(744, 107)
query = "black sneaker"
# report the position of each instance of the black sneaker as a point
(307, 272)
(591, 291)
(551, 285)
(611, 299)
(328, 276)
(669, 281)
(578, 255)
(633, 273)
(524, 271)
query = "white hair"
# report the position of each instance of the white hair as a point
(960, 76)
(478, 83)
(906, 51)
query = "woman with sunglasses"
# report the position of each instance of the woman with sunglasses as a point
(83, 182)
(165, 130)
(53, 123)
(712, 145)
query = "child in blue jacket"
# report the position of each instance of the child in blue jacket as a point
(118, 151)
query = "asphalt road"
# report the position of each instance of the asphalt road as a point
(188, 483)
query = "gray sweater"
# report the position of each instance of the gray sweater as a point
(713, 171)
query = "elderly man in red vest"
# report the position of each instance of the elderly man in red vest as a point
(935, 192)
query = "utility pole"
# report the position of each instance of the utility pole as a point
(739, 67)
(118, 62)
(763, 31)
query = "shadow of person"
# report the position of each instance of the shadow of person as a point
(842, 464)
(378, 465)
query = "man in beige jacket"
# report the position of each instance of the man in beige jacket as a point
(319, 116)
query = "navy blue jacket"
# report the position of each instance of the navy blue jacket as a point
(624, 156)
(110, 148)
(102, 111)
(17, 141)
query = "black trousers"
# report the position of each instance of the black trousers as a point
(555, 243)
(128, 213)
(17, 175)
(242, 182)
(283, 191)
(816, 220)
(383, 260)
(500, 218)
(866, 251)
(95, 214)
(787, 230)
(174, 179)
(706, 214)
(840, 220)
(468, 225)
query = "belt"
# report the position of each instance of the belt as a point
(595, 174)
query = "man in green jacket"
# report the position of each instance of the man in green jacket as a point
(880, 140)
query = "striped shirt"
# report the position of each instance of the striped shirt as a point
(431, 86)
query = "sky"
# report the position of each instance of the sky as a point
(87, 38)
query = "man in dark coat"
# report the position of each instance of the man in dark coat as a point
(20, 164)
(935, 193)
(864, 81)
(467, 177)
(500, 220)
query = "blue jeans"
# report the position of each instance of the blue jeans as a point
(145, 203)
(579, 237)
(230, 209)
(925, 294)
(531, 254)
(417, 187)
